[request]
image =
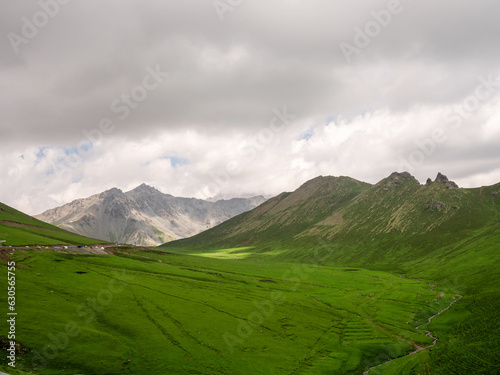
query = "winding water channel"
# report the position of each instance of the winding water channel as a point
(419, 349)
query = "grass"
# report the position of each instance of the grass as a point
(332, 284)
(19, 229)
(462, 257)
(203, 313)
(179, 314)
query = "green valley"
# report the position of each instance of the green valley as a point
(338, 277)
(161, 313)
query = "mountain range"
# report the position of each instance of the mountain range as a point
(366, 222)
(339, 276)
(144, 215)
(436, 231)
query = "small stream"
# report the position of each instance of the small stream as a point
(419, 349)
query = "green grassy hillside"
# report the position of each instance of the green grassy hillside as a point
(19, 229)
(450, 237)
(281, 217)
(339, 277)
(150, 312)
(371, 224)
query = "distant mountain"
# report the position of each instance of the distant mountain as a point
(144, 216)
(363, 222)
(220, 197)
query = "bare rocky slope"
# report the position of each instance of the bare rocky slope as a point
(144, 216)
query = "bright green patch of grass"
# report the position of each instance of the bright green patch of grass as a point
(19, 229)
(181, 314)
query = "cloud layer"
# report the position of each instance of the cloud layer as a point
(185, 96)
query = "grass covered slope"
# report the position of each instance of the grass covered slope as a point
(157, 313)
(19, 229)
(450, 237)
(281, 217)
(393, 221)
(335, 278)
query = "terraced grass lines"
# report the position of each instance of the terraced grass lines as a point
(157, 313)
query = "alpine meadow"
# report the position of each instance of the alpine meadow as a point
(338, 277)
(230, 187)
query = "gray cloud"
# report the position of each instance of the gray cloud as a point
(226, 77)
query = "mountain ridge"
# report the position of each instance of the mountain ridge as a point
(397, 211)
(144, 215)
(438, 232)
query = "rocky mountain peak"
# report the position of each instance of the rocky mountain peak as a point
(146, 188)
(402, 175)
(144, 215)
(111, 193)
(396, 178)
(442, 179)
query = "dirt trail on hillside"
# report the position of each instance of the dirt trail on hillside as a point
(429, 333)
(16, 224)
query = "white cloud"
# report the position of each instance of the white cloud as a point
(367, 147)
(360, 119)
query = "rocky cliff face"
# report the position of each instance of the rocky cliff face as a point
(442, 179)
(144, 216)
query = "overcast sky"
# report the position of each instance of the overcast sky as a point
(203, 97)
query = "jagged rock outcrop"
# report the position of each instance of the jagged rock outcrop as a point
(442, 179)
(451, 185)
(397, 178)
(402, 176)
(344, 210)
(435, 206)
(429, 181)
